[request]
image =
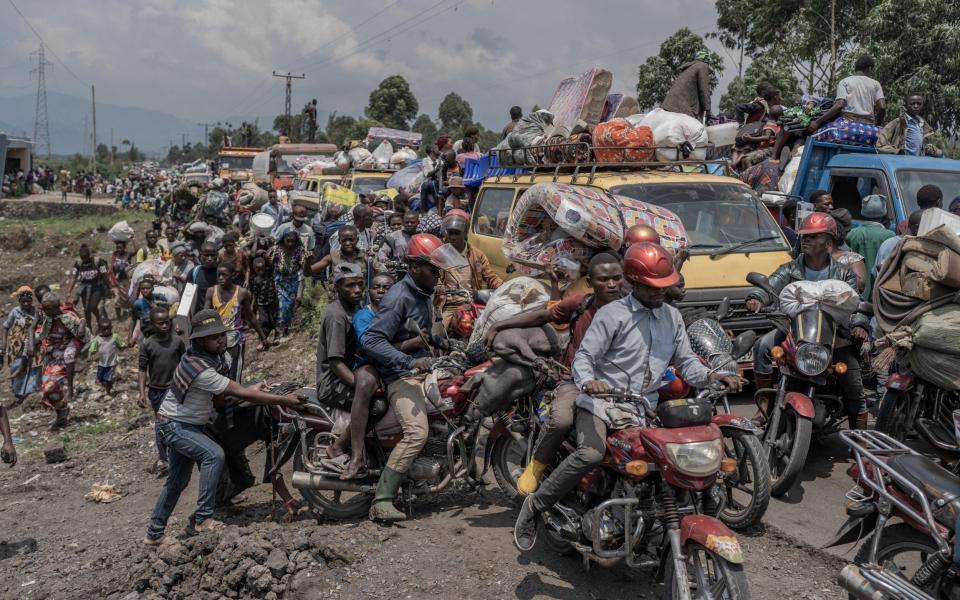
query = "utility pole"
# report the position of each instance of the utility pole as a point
(286, 111)
(183, 140)
(93, 155)
(41, 122)
(206, 132)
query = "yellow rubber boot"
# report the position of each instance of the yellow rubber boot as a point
(530, 479)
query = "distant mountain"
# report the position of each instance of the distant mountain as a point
(151, 130)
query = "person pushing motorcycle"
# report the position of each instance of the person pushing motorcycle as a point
(629, 345)
(813, 264)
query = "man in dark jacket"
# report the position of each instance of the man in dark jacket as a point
(403, 372)
(814, 264)
(909, 134)
(690, 92)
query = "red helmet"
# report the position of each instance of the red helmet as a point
(456, 219)
(641, 233)
(818, 222)
(651, 265)
(422, 246)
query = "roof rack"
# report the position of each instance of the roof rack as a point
(589, 167)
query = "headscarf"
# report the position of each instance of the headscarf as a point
(21, 291)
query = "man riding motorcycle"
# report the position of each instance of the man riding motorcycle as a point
(629, 345)
(475, 275)
(410, 298)
(813, 264)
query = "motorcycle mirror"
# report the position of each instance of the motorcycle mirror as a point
(743, 343)
(759, 280)
(865, 308)
(723, 311)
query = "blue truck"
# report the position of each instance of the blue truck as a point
(851, 172)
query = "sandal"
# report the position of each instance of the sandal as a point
(293, 506)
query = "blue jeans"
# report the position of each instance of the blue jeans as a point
(186, 444)
(156, 399)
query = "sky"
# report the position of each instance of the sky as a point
(212, 59)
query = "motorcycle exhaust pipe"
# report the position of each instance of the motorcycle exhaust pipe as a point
(854, 582)
(304, 480)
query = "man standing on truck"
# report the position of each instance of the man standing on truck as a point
(909, 134)
(310, 110)
(690, 92)
(859, 102)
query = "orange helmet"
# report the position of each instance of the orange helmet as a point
(422, 246)
(651, 265)
(818, 222)
(641, 233)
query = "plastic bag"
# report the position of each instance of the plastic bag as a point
(674, 129)
(532, 130)
(169, 294)
(362, 158)
(835, 297)
(789, 175)
(120, 232)
(408, 179)
(514, 296)
(216, 204)
(154, 267)
(252, 196)
(383, 153)
(619, 133)
(402, 156)
(939, 329)
(342, 160)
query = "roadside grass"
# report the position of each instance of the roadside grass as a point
(21, 234)
(311, 307)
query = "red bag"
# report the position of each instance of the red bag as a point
(618, 133)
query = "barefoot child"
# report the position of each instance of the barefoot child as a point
(106, 346)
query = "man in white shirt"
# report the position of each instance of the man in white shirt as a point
(859, 97)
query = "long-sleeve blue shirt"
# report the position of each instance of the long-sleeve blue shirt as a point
(402, 301)
(642, 342)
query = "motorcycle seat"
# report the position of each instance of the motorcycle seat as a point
(937, 482)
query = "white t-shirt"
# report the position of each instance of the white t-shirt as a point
(197, 406)
(861, 93)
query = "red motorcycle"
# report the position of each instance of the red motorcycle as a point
(653, 502)
(454, 440)
(913, 554)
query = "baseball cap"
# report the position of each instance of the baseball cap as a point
(346, 270)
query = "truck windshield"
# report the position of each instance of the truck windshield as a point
(716, 216)
(236, 162)
(364, 185)
(911, 180)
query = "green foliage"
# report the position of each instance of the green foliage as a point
(295, 127)
(392, 103)
(916, 44)
(425, 126)
(488, 139)
(656, 75)
(341, 129)
(311, 306)
(766, 67)
(455, 113)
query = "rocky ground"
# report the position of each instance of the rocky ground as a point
(55, 542)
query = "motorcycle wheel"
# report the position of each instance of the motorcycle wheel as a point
(747, 492)
(336, 505)
(508, 461)
(893, 415)
(902, 550)
(788, 453)
(710, 576)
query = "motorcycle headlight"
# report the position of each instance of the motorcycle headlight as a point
(696, 459)
(812, 359)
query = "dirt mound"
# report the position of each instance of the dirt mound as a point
(261, 560)
(16, 239)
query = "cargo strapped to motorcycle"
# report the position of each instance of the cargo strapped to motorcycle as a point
(875, 448)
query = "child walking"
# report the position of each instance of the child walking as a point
(159, 356)
(106, 346)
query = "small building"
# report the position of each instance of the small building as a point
(16, 152)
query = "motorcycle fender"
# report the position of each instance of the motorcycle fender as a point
(731, 421)
(712, 535)
(802, 405)
(499, 430)
(899, 381)
(854, 530)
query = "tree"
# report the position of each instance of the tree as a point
(392, 103)
(656, 75)
(915, 44)
(425, 126)
(103, 153)
(295, 128)
(766, 67)
(735, 29)
(455, 113)
(339, 128)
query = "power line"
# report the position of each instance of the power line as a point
(258, 90)
(39, 37)
(286, 106)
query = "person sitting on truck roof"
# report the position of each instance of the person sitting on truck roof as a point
(690, 92)
(760, 145)
(909, 134)
(515, 113)
(472, 133)
(860, 103)
(929, 196)
(768, 96)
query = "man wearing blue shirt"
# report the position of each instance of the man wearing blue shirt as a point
(909, 134)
